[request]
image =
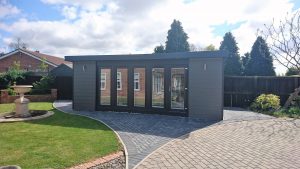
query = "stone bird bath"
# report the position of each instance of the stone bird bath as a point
(22, 102)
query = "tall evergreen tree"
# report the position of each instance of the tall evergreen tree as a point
(233, 65)
(245, 60)
(177, 39)
(260, 62)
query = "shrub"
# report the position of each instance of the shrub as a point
(280, 113)
(46, 82)
(11, 91)
(14, 74)
(266, 103)
(294, 112)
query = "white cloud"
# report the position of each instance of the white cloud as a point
(91, 5)
(134, 26)
(70, 12)
(7, 9)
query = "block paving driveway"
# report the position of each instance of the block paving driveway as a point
(243, 140)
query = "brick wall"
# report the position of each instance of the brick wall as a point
(27, 63)
(5, 98)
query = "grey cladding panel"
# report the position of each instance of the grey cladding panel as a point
(206, 88)
(84, 85)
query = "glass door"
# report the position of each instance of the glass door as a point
(158, 91)
(105, 86)
(122, 87)
(178, 88)
(139, 87)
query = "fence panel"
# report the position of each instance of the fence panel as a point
(64, 86)
(240, 91)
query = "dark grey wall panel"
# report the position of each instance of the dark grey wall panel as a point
(84, 96)
(206, 88)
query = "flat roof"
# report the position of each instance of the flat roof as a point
(176, 55)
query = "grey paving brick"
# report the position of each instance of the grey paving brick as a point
(243, 140)
(141, 133)
(269, 144)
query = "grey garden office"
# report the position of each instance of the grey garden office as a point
(184, 83)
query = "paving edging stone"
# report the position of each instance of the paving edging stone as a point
(112, 161)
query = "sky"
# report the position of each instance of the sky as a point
(77, 27)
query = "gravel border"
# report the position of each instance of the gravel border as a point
(111, 161)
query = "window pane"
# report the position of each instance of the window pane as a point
(122, 87)
(105, 86)
(157, 87)
(139, 87)
(177, 88)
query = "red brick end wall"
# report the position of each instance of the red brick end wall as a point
(5, 98)
(27, 63)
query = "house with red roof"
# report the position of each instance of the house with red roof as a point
(30, 60)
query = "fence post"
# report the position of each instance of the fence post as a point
(230, 100)
(54, 94)
(255, 85)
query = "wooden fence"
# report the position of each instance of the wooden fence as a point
(240, 91)
(64, 86)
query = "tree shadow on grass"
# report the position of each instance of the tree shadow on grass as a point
(69, 120)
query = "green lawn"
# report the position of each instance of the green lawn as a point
(59, 141)
(4, 108)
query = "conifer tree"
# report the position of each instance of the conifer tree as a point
(260, 62)
(177, 38)
(233, 65)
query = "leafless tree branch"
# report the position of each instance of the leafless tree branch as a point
(18, 44)
(284, 40)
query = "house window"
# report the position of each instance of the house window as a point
(119, 81)
(136, 81)
(103, 81)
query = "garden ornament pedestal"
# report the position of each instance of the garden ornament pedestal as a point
(22, 102)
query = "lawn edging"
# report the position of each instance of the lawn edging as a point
(119, 137)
